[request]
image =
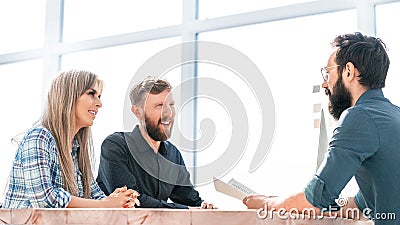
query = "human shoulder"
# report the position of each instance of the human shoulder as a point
(114, 142)
(171, 147)
(116, 136)
(39, 133)
(172, 152)
(38, 140)
(352, 113)
(357, 117)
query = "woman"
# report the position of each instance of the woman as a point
(52, 167)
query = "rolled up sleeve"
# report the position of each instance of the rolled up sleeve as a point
(96, 192)
(317, 194)
(360, 201)
(355, 139)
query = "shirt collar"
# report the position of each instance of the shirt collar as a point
(75, 147)
(371, 93)
(142, 144)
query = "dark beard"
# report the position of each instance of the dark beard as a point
(154, 130)
(340, 100)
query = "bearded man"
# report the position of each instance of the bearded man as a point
(365, 144)
(143, 159)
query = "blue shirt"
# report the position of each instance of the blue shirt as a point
(36, 179)
(127, 159)
(366, 145)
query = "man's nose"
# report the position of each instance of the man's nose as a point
(168, 110)
(324, 85)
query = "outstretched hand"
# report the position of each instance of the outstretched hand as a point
(258, 201)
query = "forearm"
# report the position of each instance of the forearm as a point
(349, 210)
(77, 202)
(120, 198)
(186, 195)
(298, 201)
(147, 201)
(47, 196)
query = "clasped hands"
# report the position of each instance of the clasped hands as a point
(124, 197)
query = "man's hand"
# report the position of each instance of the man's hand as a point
(296, 201)
(255, 201)
(206, 205)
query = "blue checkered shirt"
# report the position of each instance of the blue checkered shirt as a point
(36, 179)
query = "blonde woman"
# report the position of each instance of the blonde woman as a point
(52, 166)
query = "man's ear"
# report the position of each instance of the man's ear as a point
(350, 72)
(138, 111)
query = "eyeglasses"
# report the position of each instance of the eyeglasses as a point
(324, 71)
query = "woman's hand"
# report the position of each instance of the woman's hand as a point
(122, 197)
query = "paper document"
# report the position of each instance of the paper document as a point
(233, 188)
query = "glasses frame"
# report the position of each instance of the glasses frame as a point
(325, 73)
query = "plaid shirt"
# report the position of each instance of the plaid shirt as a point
(36, 178)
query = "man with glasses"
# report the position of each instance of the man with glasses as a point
(365, 143)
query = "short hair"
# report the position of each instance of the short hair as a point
(150, 85)
(368, 54)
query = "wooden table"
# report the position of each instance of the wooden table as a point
(156, 216)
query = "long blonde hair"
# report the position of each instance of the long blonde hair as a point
(59, 118)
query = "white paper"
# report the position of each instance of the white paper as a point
(241, 187)
(232, 188)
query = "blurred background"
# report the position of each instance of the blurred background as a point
(287, 40)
